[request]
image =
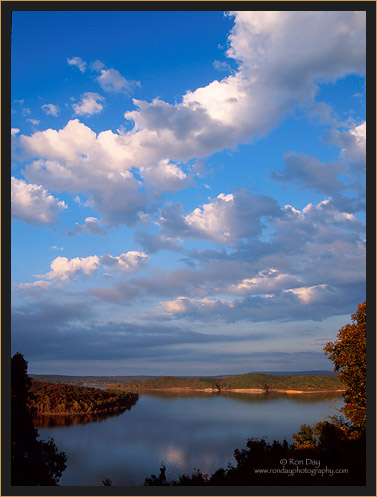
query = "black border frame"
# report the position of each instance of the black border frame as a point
(7, 7)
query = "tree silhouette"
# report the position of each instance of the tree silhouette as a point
(341, 462)
(34, 462)
(159, 481)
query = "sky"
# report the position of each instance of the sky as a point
(188, 189)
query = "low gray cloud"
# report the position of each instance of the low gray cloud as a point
(184, 362)
(318, 252)
(318, 225)
(152, 243)
(70, 332)
(45, 314)
(308, 172)
(208, 279)
(53, 336)
(306, 303)
(352, 143)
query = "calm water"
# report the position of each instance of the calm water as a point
(184, 432)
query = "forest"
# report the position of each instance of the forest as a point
(51, 398)
(263, 382)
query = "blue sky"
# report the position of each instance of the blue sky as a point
(188, 189)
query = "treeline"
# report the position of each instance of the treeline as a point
(50, 398)
(282, 382)
(255, 381)
(86, 380)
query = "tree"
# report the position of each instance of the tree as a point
(348, 354)
(305, 438)
(159, 481)
(34, 462)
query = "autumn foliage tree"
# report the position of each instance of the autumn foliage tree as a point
(348, 353)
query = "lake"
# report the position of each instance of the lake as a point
(182, 431)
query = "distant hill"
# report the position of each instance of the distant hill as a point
(57, 378)
(76, 380)
(316, 372)
(252, 382)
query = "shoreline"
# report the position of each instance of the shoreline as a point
(83, 413)
(188, 390)
(236, 390)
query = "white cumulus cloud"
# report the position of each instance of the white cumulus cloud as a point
(165, 176)
(266, 281)
(77, 61)
(91, 225)
(63, 269)
(90, 104)
(51, 109)
(37, 285)
(227, 218)
(112, 81)
(275, 53)
(77, 160)
(184, 305)
(309, 293)
(130, 262)
(33, 204)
